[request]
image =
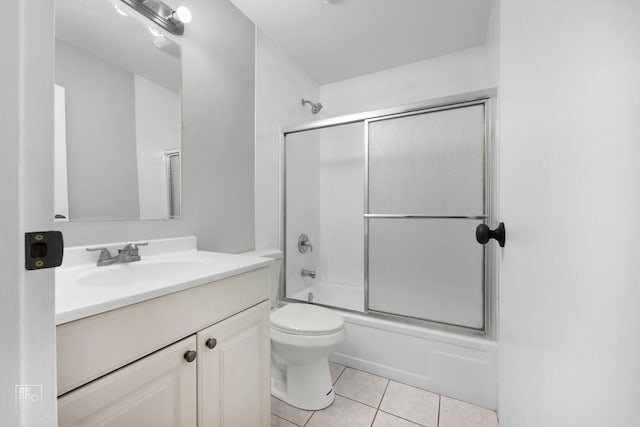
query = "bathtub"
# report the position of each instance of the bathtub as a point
(458, 366)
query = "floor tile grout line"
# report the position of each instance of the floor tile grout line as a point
(298, 409)
(369, 373)
(384, 392)
(382, 398)
(402, 418)
(289, 421)
(403, 383)
(380, 402)
(357, 401)
(374, 418)
(468, 403)
(309, 419)
(344, 368)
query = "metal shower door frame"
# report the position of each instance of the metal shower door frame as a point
(486, 97)
(487, 273)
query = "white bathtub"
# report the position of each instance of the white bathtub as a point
(454, 365)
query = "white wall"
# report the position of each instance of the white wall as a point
(280, 85)
(218, 58)
(158, 128)
(458, 72)
(27, 328)
(492, 47)
(569, 178)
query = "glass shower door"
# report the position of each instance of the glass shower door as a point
(425, 197)
(324, 181)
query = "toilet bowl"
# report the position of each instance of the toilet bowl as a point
(302, 338)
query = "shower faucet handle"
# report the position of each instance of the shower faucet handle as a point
(304, 244)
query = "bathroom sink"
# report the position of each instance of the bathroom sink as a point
(143, 272)
(168, 265)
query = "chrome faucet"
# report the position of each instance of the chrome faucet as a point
(308, 273)
(127, 254)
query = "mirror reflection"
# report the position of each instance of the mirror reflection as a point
(118, 114)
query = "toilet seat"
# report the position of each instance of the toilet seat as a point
(306, 319)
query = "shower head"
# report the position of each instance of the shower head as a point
(315, 106)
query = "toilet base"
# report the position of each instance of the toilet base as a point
(307, 386)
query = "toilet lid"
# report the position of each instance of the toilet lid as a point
(306, 319)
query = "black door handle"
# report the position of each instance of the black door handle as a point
(484, 234)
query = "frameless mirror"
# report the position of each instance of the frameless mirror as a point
(118, 114)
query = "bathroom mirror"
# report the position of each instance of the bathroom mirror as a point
(118, 114)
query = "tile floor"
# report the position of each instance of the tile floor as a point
(363, 399)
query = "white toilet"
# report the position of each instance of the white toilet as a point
(302, 337)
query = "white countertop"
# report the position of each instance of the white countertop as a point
(167, 265)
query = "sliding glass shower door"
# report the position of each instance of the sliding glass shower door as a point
(324, 202)
(380, 214)
(426, 192)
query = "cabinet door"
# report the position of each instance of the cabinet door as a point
(158, 390)
(234, 375)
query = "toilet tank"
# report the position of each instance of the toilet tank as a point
(276, 270)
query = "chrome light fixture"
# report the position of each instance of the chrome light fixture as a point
(162, 14)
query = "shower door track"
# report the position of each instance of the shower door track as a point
(489, 270)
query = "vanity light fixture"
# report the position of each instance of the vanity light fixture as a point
(162, 14)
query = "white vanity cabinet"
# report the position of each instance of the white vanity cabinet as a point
(158, 390)
(233, 370)
(129, 367)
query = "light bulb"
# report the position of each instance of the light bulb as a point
(182, 14)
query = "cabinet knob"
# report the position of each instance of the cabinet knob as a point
(211, 343)
(190, 356)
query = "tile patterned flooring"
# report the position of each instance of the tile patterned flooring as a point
(364, 399)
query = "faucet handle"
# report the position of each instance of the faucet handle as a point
(129, 247)
(104, 253)
(131, 250)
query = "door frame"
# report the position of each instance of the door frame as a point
(27, 312)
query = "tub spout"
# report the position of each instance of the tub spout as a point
(308, 273)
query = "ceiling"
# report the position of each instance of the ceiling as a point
(339, 39)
